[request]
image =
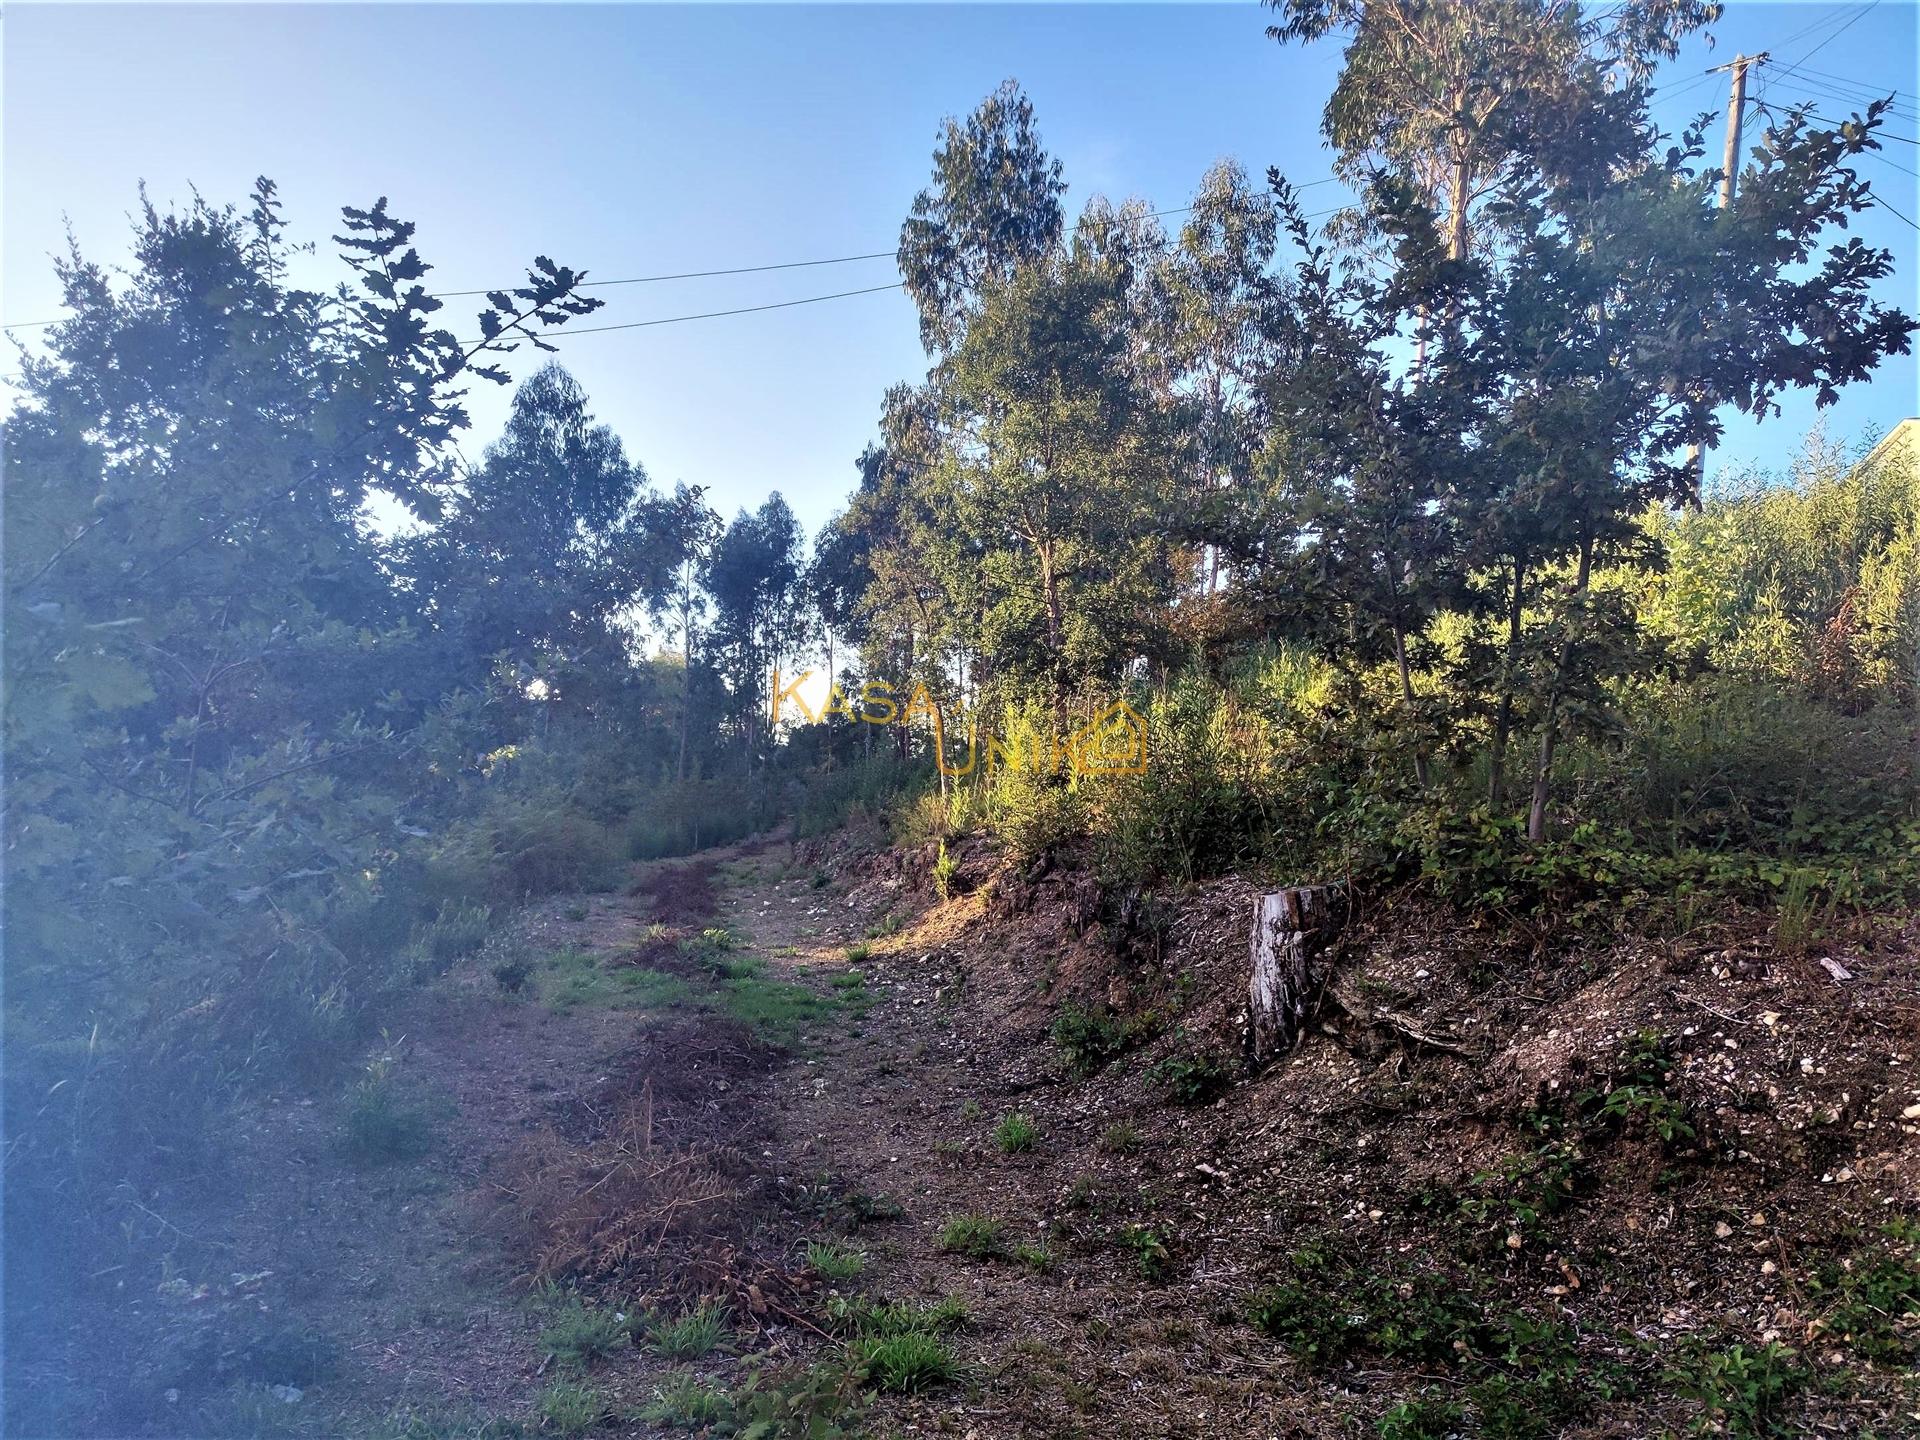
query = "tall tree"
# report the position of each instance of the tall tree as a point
(753, 576)
(994, 205)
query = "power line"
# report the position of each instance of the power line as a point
(1871, 87)
(1893, 212)
(567, 333)
(698, 274)
(1864, 9)
(706, 274)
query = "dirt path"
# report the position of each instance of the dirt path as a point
(771, 1046)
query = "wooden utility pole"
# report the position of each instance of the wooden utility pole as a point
(1729, 178)
(1736, 110)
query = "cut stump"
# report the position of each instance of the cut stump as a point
(1290, 930)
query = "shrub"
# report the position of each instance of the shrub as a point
(945, 867)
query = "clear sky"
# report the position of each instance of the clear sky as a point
(635, 140)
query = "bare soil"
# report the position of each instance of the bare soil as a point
(1402, 1148)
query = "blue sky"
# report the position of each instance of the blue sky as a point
(635, 140)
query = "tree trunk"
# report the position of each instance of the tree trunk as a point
(1406, 694)
(1291, 929)
(1549, 727)
(1050, 582)
(1503, 717)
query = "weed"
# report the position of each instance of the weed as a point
(869, 1209)
(1015, 1133)
(1035, 1257)
(945, 867)
(1741, 1389)
(456, 930)
(1424, 1419)
(1089, 1038)
(903, 1364)
(821, 879)
(682, 1401)
(693, 1335)
(572, 1407)
(578, 1336)
(815, 1403)
(974, 1236)
(1151, 1256)
(970, 1109)
(380, 1128)
(577, 913)
(1873, 1295)
(1120, 1138)
(859, 954)
(868, 1318)
(835, 1262)
(513, 969)
(1192, 1079)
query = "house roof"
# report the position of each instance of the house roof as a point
(1905, 434)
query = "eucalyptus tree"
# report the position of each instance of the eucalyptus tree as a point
(1213, 307)
(993, 206)
(1056, 461)
(1450, 93)
(753, 575)
(554, 546)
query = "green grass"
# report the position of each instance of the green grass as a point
(903, 1364)
(1015, 1133)
(975, 1236)
(859, 954)
(575, 979)
(696, 1333)
(572, 1407)
(579, 1336)
(779, 1009)
(1035, 1257)
(862, 1318)
(835, 1262)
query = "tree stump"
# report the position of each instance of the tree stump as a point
(1290, 930)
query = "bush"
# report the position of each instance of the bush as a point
(1091, 1038)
